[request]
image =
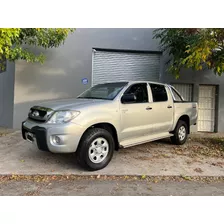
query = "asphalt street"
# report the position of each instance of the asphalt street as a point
(96, 187)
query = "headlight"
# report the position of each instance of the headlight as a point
(60, 117)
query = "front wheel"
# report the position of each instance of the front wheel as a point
(96, 149)
(180, 133)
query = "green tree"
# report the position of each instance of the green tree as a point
(194, 48)
(15, 42)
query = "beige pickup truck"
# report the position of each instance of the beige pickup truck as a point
(107, 117)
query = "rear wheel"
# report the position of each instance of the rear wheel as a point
(96, 149)
(180, 133)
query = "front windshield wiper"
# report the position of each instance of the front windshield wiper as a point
(85, 97)
(89, 97)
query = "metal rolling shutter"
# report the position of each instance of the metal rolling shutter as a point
(118, 66)
(185, 90)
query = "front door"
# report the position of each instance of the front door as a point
(136, 120)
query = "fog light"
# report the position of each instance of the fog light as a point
(56, 140)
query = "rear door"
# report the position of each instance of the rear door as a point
(162, 108)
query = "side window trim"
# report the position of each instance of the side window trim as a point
(150, 98)
(133, 85)
(173, 89)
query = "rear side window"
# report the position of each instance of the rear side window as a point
(159, 93)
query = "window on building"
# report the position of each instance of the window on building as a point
(140, 91)
(159, 93)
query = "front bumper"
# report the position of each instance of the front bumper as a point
(43, 136)
(40, 134)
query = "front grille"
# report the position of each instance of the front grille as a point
(40, 114)
(37, 119)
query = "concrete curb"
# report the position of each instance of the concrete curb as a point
(155, 179)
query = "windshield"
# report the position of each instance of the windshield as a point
(107, 91)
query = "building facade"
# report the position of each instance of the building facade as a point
(91, 56)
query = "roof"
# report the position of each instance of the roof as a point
(147, 81)
(136, 82)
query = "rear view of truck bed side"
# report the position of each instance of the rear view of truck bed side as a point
(187, 109)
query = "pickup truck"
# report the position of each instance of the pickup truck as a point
(108, 117)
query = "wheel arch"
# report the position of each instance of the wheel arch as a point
(186, 119)
(107, 126)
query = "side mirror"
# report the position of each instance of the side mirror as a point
(128, 98)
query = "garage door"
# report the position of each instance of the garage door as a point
(110, 66)
(185, 90)
(206, 113)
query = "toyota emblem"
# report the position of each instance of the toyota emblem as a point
(35, 113)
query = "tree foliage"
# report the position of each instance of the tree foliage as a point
(194, 48)
(15, 42)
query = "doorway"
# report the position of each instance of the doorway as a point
(207, 108)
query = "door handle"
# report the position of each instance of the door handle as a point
(148, 108)
(169, 107)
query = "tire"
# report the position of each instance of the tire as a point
(180, 133)
(96, 144)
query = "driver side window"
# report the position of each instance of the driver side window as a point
(139, 91)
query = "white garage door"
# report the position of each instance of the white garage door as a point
(206, 116)
(111, 66)
(185, 90)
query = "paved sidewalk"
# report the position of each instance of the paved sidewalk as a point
(158, 158)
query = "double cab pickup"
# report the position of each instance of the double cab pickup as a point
(110, 116)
